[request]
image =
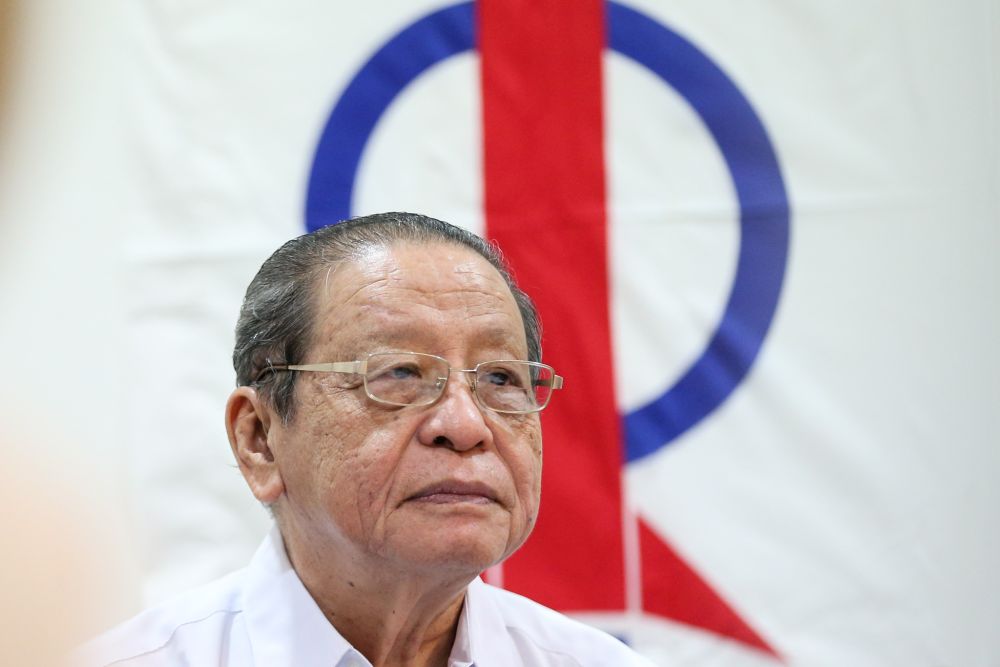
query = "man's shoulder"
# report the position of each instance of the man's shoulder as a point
(181, 626)
(538, 627)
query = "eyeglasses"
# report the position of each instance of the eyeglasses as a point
(414, 378)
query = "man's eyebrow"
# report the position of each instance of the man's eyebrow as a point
(502, 337)
(411, 339)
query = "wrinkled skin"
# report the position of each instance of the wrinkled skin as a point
(350, 466)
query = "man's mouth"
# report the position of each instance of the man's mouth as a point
(455, 492)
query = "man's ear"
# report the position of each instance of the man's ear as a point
(248, 421)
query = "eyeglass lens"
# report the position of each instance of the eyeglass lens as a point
(418, 379)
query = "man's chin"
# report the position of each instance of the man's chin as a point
(462, 553)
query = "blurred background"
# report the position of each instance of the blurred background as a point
(763, 237)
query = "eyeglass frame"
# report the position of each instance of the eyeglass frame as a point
(360, 367)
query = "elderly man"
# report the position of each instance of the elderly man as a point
(389, 385)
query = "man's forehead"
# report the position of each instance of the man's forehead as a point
(434, 271)
(393, 287)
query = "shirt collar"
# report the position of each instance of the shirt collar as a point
(482, 639)
(461, 650)
(285, 625)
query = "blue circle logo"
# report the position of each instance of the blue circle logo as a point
(730, 120)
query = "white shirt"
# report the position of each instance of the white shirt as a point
(263, 616)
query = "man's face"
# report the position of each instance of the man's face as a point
(450, 485)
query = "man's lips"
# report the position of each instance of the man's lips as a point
(455, 492)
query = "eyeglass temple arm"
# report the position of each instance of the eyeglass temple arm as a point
(556, 382)
(332, 367)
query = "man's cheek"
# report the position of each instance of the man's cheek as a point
(533, 438)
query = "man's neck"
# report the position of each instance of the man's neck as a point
(390, 617)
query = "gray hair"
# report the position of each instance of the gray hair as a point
(278, 313)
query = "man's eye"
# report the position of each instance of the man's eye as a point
(501, 378)
(402, 373)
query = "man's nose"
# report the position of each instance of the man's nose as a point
(456, 420)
